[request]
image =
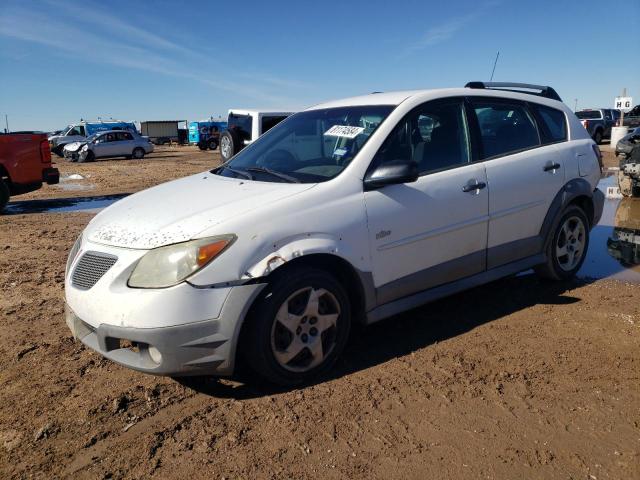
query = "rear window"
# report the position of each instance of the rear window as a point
(589, 115)
(554, 128)
(505, 128)
(242, 124)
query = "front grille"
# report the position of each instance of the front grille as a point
(90, 268)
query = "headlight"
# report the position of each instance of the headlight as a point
(72, 255)
(85, 148)
(167, 266)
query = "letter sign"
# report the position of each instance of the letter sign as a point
(623, 103)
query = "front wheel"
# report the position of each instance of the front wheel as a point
(298, 327)
(568, 247)
(212, 144)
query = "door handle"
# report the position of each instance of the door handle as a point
(551, 166)
(472, 187)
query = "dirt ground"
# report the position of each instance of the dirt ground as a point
(518, 379)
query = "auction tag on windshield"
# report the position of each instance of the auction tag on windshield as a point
(345, 131)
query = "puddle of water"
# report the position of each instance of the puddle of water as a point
(61, 205)
(614, 246)
(75, 187)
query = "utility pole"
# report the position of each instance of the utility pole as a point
(6, 122)
(624, 94)
(494, 66)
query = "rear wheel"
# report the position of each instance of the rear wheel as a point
(229, 144)
(567, 249)
(138, 153)
(4, 194)
(298, 327)
(202, 145)
(212, 144)
(598, 137)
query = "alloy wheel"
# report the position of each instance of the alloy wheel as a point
(303, 333)
(570, 243)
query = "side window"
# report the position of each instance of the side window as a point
(76, 131)
(121, 136)
(269, 122)
(554, 122)
(434, 135)
(109, 137)
(101, 139)
(505, 127)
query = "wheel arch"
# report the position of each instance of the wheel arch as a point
(575, 192)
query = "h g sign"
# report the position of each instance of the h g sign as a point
(623, 103)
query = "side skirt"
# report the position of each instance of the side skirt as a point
(426, 296)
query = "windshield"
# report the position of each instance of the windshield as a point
(92, 137)
(589, 115)
(308, 147)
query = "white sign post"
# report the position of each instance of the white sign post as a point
(624, 104)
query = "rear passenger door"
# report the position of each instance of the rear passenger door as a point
(124, 144)
(523, 173)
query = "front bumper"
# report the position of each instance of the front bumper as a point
(194, 329)
(200, 348)
(71, 156)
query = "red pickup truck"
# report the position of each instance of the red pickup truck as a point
(25, 163)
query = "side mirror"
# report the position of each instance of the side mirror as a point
(392, 173)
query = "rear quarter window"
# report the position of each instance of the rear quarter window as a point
(554, 124)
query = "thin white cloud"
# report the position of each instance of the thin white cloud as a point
(120, 44)
(443, 32)
(449, 28)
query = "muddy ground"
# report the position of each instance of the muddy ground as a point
(518, 379)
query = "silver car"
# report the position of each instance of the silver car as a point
(112, 143)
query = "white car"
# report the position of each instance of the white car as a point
(351, 211)
(112, 143)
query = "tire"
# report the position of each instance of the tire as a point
(89, 158)
(4, 194)
(229, 144)
(138, 153)
(294, 354)
(212, 144)
(625, 184)
(202, 145)
(571, 235)
(597, 137)
(59, 151)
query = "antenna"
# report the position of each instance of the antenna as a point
(494, 66)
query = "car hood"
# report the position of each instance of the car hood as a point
(74, 146)
(177, 211)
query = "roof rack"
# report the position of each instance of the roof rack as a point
(542, 90)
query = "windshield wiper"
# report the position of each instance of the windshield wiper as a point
(281, 175)
(242, 173)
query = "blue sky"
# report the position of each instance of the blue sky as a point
(142, 60)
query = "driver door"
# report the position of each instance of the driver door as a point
(432, 231)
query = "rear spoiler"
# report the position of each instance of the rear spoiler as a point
(538, 90)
